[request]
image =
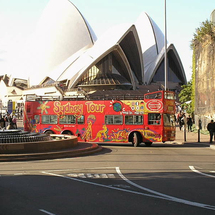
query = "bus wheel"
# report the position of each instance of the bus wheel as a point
(67, 132)
(136, 139)
(148, 143)
(49, 132)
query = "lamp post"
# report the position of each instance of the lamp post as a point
(165, 45)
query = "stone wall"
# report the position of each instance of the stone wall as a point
(205, 80)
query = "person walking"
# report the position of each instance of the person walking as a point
(14, 122)
(180, 120)
(189, 123)
(210, 128)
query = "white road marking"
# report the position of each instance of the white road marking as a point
(46, 212)
(91, 175)
(201, 173)
(171, 198)
(157, 194)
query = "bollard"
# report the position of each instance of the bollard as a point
(198, 135)
(200, 127)
(185, 137)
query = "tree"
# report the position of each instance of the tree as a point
(185, 97)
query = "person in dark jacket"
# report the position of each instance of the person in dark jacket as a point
(210, 128)
(189, 123)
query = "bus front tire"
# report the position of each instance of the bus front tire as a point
(136, 140)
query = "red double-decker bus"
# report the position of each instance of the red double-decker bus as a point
(147, 120)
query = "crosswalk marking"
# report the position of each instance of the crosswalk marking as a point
(90, 175)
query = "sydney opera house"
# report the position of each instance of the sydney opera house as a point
(65, 56)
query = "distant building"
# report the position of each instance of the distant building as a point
(11, 92)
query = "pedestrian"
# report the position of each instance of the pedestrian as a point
(184, 121)
(10, 123)
(2, 123)
(6, 120)
(14, 122)
(180, 120)
(189, 123)
(210, 128)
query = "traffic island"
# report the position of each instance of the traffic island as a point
(17, 145)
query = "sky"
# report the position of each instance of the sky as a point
(18, 19)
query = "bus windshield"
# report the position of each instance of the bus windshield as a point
(169, 120)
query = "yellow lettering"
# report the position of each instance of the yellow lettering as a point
(60, 109)
(92, 107)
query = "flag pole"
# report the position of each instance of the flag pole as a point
(165, 44)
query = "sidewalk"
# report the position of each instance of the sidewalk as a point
(192, 137)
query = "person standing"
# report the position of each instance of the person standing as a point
(189, 123)
(210, 128)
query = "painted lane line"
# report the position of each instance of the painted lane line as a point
(106, 186)
(46, 212)
(169, 198)
(201, 173)
(140, 187)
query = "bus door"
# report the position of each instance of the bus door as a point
(154, 126)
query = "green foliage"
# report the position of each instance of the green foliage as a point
(185, 97)
(193, 93)
(185, 94)
(206, 28)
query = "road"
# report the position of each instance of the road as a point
(162, 179)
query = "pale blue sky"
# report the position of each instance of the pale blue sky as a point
(18, 19)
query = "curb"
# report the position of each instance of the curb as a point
(82, 149)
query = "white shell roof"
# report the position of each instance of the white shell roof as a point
(61, 32)
(103, 46)
(57, 52)
(151, 39)
(152, 43)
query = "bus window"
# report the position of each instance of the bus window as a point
(129, 120)
(113, 119)
(133, 119)
(154, 118)
(28, 109)
(118, 120)
(67, 119)
(138, 120)
(169, 119)
(169, 95)
(37, 119)
(108, 120)
(80, 120)
(49, 119)
(154, 96)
